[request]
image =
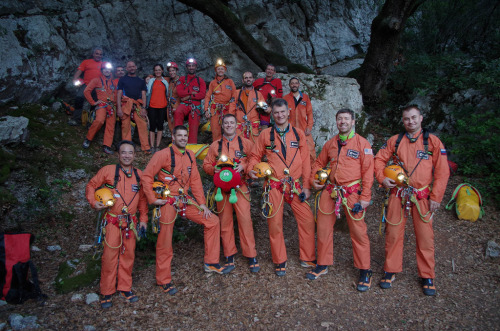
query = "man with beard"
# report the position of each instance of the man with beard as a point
(349, 185)
(191, 90)
(247, 101)
(105, 107)
(176, 167)
(131, 99)
(301, 113)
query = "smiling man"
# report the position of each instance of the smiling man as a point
(120, 222)
(288, 155)
(235, 148)
(350, 160)
(423, 159)
(176, 167)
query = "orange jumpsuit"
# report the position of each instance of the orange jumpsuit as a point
(173, 102)
(242, 207)
(432, 169)
(118, 251)
(266, 87)
(354, 162)
(301, 116)
(296, 157)
(105, 108)
(191, 107)
(185, 176)
(220, 101)
(246, 113)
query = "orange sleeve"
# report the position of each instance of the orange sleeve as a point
(258, 150)
(95, 182)
(366, 170)
(306, 160)
(309, 112)
(441, 168)
(88, 90)
(383, 155)
(142, 205)
(196, 184)
(209, 93)
(148, 177)
(211, 158)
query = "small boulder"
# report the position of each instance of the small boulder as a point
(492, 249)
(91, 298)
(13, 130)
(76, 297)
(84, 248)
(53, 248)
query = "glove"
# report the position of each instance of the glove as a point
(302, 197)
(357, 208)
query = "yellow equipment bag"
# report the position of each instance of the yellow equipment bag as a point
(468, 203)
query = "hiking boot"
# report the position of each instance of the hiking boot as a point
(147, 152)
(215, 267)
(280, 269)
(72, 122)
(428, 286)
(308, 264)
(229, 265)
(86, 143)
(386, 282)
(365, 280)
(106, 302)
(318, 271)
(107, 150)
(253, 264)
(168, 288)
(129, 296)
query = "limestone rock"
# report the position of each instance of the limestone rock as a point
(18, 322)
(53, 248)
(76, 297)
(84, 248)
(13, 129)
(91, 297)
(492, 249)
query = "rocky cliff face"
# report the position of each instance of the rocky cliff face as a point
(44, 41)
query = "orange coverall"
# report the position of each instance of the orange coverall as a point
(131, 109)
(433, 169)
(247, 117)
(353, 162)
(298, 163)
(173, 102)
(105, 108)
(266, 87)
(191, 107)
(301, 116)
(185, 176)
(242, 207)
(220, 101)
(118, 252)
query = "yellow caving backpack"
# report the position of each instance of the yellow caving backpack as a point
(468, 203)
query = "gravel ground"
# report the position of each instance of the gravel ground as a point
(467, 284)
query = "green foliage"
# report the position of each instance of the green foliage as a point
(8, 162)
(66, 279)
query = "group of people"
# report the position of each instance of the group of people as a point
(273, 143)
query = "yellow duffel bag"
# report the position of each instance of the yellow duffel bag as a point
(468, 202)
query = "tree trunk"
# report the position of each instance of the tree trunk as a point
(220, 13)
(386, 30)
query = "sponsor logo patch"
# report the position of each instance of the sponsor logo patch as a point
(189, 170)
(229, 87)
(238, 154)
(303, 103)
(116, 195)
(443, 151)
(254, 99)
(196, 88)
(422, 155)
(353, 153)
(135, 188)
(368, 151)
(168, 178)
(294, 144)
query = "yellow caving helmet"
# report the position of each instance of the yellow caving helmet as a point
(219, 63)
(224, 161)
(206, 127)
(322, 175)
(263, 169)
(397, 174)
(105, 196)
(161, 190)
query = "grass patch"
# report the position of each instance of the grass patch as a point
(68, 280)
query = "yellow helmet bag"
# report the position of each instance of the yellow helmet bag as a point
(468, 203)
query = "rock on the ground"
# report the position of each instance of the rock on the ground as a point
(74, 175)
(3, 303)
(84, 248)
(89, 328)
(91, 298)
(53, 248)
(492, 249)
(76, 297)
(13, 129)
(18, 322)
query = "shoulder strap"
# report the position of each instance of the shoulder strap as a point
(172, 163)
(271, 137)
(400, 137)
(220, 146)
(426, 139)
(296, 134)
(189, 156)
(117, 175)
(240, 142)
(137, 178)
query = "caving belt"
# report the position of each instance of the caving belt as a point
(125, 221)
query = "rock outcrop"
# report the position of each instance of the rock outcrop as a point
(44, 41)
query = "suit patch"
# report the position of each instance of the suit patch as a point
(353, 153)
(135, 188)
(116, 195)
(229, 87)
(254, 99)
(303, 103)
(189, 170)
(168, 178)
(368, 151)
(443, 151)
(196, 88)
(384, 146)
(238, 154)
(294, 144)
(422, 155)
